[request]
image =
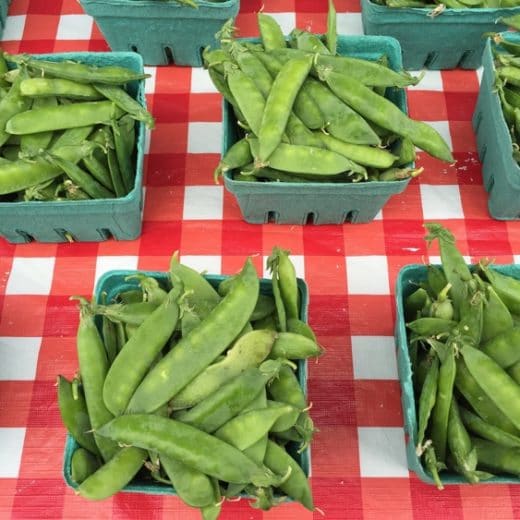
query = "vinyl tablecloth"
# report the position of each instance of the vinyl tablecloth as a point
(359, 466)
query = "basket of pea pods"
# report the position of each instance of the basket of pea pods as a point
(496, 127)
(315, 126)
(235, 423)
(437, 35)
(459, 365)
(164, 32)
(72, 147)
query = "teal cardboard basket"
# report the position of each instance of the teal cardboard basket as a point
(112, 283)
(163, 32)
(319, 202)
(83, 220)
(450, 40)
(500, 172)
(4, 7)
(407, 280)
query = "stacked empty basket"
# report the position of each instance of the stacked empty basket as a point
(448, 40)
(162, 32)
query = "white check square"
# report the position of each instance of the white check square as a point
(19, 358)
(30, 276)
(367, 275)
(74, 27)
(14, 27)
(203, 202)
(441, 202)
(374, 357)
(204, 137)
(11, 447)
(201, 82)
(114, 263)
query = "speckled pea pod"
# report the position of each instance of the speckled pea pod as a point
(506, 287)
(82, 464)
(307, 41)
(279, 105)
(114, 475)
(427, 402)
(247, 96)
(250, 64)
(270, 32)
(237, 156)
(387, 115)
(303, 159)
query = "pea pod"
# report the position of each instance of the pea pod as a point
(270, 32)
(506, 287)
(294, 346)
(11, 104)
(503, 348)
(248, 351)
(194, 447)
(31, 144)
(82, 464)
(40, 87)
(139, 352)
(196, 351)
(427, 402)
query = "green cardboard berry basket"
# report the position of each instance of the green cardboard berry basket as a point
(407, 279)
(114, 282)
(163, 32)
(84, 220)
(500, 172)
(450, 40)
(319, 202)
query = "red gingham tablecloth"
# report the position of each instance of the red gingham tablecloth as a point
(359, 466)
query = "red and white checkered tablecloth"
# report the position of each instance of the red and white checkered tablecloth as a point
(359, 467)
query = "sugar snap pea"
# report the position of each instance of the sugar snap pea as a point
(35, 87)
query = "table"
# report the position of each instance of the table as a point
(358, 457)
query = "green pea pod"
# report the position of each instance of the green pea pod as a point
(237, 156)
(82, 464)
(441, 409)
(12, 104)
(128, 313)
(384, 113)
(453, 263)
(511, 21)
(43, 87)
(436, 279)
(31, 144)
(427, 402)
(287, 280)
(496, 458)
(278, 300)
(307, 41)
(114, 475)
(93, 367)
(248, 351)
(194, 447)
(487, 431)
(481, 403)
(289, 345)
(503, 348)
(460, 446)
(506, 287)
(300, 327)
(296, 485)
(433, 466)
(109, 338)
(200, 295)
(74, 414)
(415, 303)
(429, 326)
(286, 389)
(230, 399)
(270, 32)
(135, 358)
(278, 105)
(332, 32)
(203, 345)
(495, 382)
(193, 487)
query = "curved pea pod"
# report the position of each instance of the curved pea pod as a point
(193, 353)
(427, 400)
(248, 351)
(193, 487)
(436, 279)
(340, 120)
(286, 389)
(114, 475)
(303, 159)
(113, 75)
(200, 294)
(429, 326)
(287, 280)
(194, 447)
(247, 428)
(503, 348)
(300, 327)
(189, 321)
(307, 41)
(93, 367)
(488, 431)
(151, 289)
(433, 465)
(11, 104)
(127, 313)
(247, 95)
(441, 409)
(39, 87)
(495, 458)
(287, 420)
(278, 105)
(506, 287)
(495, 382)
(238, 156)
(250, 64)
(82, 464)
(461, 447)
(230, 399)
(265, 306)
(481, 403)
(74, 414)
(415, 303)
(360, 154)
(289, 345)
(34, 143)
(270, 32)
(139, 352)
(296, 485)
(387, 115)
(405, 152)
(298, 132)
